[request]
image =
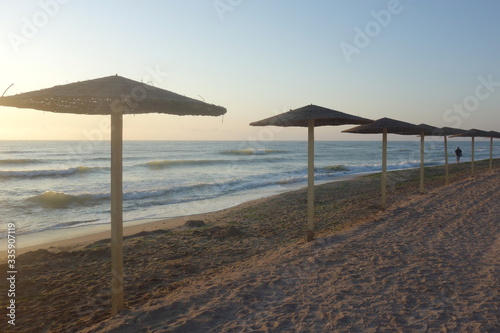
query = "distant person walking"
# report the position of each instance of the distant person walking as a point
(458, 152)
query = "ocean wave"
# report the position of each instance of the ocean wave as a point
(318, 176)
(17, 151)
(253, 151)
(367, 168)
(18, 161)
(148, 197)
(135, 198)
(291, 180)
(325, 173)
(156, 165)
(60, 200)
(172, 194)
(48, 173)
(106, 158)
(71, 224)
(191, 190)
(336, 168)
(165, 164)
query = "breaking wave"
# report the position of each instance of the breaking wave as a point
(253, 151)
(48, 173)
(155, 165)
(58, 200)
(336, 168)
(18, 161)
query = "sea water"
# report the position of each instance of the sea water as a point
(53, 185)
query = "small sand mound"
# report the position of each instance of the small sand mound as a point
(195, 224)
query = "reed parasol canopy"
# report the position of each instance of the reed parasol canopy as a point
(385, 126)
(322, 117)
(100, 96)
(451, 131)
(115, 96)
(390, 125)
(472, 133)
(311, 116)
(429, 130)
(494, 134)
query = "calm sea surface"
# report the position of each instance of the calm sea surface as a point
(48, 185)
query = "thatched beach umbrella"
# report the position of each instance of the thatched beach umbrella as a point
(436, 131)
(385, 126)
(310, 116)
(424, 130)
(115, 96)
(472, 133)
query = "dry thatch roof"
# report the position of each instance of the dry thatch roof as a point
(392, 126)
(473, 133)
(494, 134)
(322, 117)
(451, 131)
(101, 96)
(443, 131)
(436, 131)
(429, 130)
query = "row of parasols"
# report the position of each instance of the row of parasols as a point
(117, 96)
(312, 115)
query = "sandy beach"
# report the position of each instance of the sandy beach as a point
(428, 263)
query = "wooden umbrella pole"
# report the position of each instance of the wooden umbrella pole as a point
(446, 176)
(491, 153)
(422, 162)
(117, 295)
(310, 180)
(384, 168)
(472, 158)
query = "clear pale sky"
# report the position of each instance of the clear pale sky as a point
(434, 62)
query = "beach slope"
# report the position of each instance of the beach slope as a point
(430, 263)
